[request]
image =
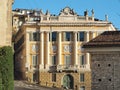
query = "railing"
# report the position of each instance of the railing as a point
(61, 68)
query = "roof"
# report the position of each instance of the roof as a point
(106, 39)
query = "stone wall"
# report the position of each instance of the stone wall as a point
(105, 71)
(46, 80)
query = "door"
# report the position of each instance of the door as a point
(68, 82)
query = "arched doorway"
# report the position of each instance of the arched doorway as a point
(68, 82)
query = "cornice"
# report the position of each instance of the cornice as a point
(102, 24)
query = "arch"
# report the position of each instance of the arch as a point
(68, 81)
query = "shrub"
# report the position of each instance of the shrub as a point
(6, 68)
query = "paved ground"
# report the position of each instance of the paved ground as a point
(21, 85)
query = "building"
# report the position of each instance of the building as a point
(48, 48)
(105, 61)
(6, 22)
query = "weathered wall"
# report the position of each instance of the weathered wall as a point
(105, 71)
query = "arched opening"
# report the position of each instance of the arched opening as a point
(68, 82)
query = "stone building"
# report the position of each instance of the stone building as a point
(6, 22)
(105, 61)
(48, 48)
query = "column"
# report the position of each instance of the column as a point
(59, 49)
(75, 49)
(42, 50)
(87, 36)
(27, 51)
(47, 49)
(88, 60)
(93, 35)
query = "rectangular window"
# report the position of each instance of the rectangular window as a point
(81, 36)
(34, 36)
(68, 36)
(82, 60)
(82, 87)
(34, 60)
(54, 36)
(67, 60)
(54, 60)
(82, 77)
(53, 77)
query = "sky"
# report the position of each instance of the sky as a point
(100, 7)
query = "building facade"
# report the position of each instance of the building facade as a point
(48, 48)
(105, 61)
(6, 22)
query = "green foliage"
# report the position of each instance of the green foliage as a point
(6, 68)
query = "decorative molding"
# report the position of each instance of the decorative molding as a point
(35, 48)
(67, 12)
(68, 48)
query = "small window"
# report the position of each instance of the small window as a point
(53, 77)
(109, 65)
(99, 80)
(98, 65)
(109, 79)
(82, 87)
(82, 77)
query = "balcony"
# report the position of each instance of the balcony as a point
(68, 68)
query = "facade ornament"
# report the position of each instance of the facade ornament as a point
(86, 13)
(67, 11)
(35, 48)
(41, 13)
(106, 17)
(68, 48)
(92, 12)
(47, 13)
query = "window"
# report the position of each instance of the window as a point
(53, 60)
(98, 65)
(82, 77)
(35, 36)
(67, 36)
(54, 36)
(67, 60)
(81, 36)
(109, 65)
(82, 60)
(34, 60)
(109, 79)
(82, 88)
(99, 80)
(53, 77)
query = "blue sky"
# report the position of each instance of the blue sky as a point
(101, 7)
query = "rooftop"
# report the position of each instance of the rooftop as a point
(106, 39)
